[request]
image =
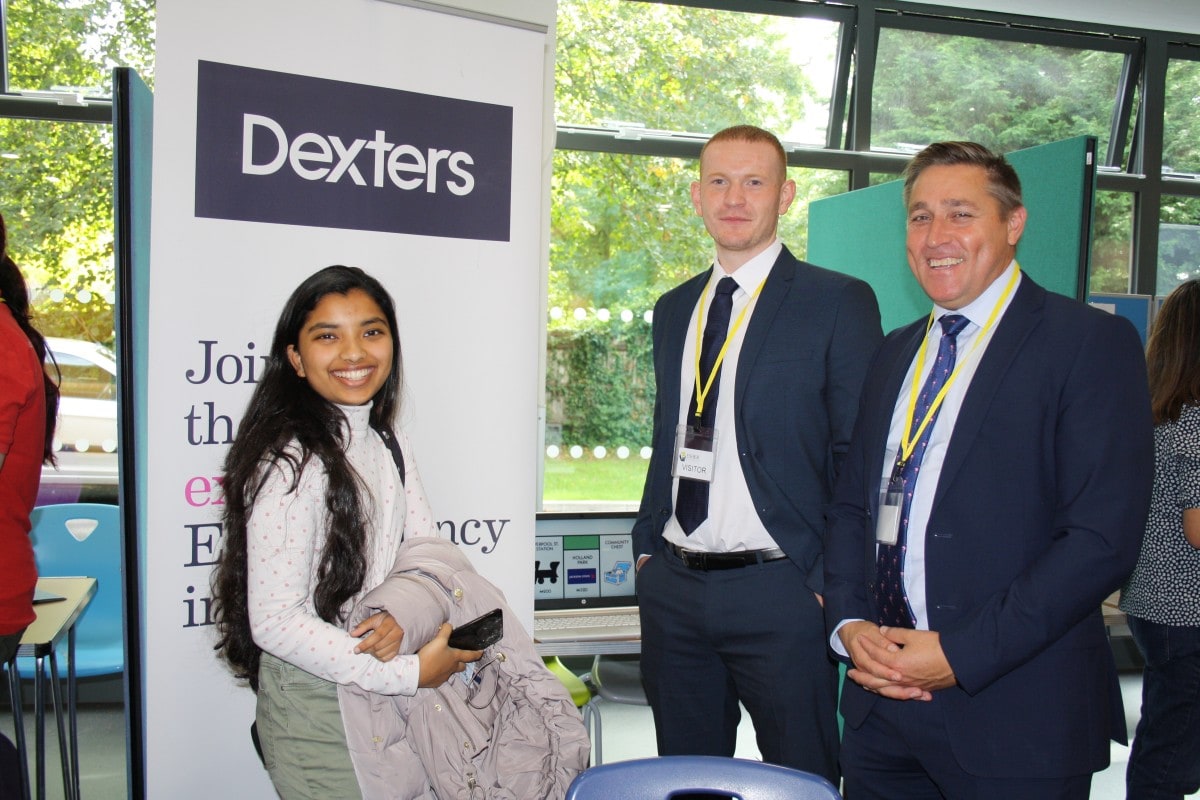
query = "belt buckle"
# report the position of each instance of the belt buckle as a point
(692, 559)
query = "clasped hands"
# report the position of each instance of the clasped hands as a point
(381, 637)
(899, 663)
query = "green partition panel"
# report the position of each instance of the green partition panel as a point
(862, 233)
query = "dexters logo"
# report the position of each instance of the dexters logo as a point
(275, 147)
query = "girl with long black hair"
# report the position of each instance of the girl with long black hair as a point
(315, 509)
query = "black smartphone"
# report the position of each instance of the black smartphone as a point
(480, 632)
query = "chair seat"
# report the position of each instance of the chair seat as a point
(619, 680)
(669, 776)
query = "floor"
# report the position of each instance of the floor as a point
(627, 732)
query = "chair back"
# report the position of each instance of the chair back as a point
(670, 776)
(84, 539)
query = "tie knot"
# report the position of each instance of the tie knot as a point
(726, 285)
(953, 324)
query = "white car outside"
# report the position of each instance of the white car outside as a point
(85, 439)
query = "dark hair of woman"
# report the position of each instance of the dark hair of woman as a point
(16, 296)
(286, 421)
(1173, 353)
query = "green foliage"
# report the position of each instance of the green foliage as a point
(599, 375)
(57, 176)
(623, 227)
(673, 68)
(1181, 118)
(1006, 95)
(1112, 242)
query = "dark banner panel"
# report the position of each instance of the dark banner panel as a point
(276, 147)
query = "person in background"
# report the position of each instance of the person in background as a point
(758, 363)
(1162, 596)
(316, 508)
(28, 408)
(992, 498)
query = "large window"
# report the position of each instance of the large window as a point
(1179, 232)
(1181, 119)
(650, 82)
(655, 67)
(1007, 95)
(853, 89)
(56, 195)
(1178, 243)
(57, 190)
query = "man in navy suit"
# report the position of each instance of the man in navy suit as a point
(758, 363)
(965, 565)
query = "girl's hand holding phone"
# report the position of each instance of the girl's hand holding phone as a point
(439, 660)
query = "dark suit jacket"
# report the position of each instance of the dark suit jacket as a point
(806, 349)
(1037, 517)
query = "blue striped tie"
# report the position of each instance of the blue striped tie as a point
(890, 597)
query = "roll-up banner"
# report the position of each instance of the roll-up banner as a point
(294, 134)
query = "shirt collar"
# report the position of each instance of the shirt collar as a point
(753, 272)
(979, 309)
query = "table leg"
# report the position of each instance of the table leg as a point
(72, 705)
(39, 724)
(64, 753)
(18, 709)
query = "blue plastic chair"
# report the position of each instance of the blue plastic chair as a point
(84, 539)
(669, 776)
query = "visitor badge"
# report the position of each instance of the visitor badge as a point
(695, 453)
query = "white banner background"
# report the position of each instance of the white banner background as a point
(470, 315)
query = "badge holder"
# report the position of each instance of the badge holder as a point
(695, 452)
(891, 500)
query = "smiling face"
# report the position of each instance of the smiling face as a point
(741, 194)
(344, 349)
(959, 240)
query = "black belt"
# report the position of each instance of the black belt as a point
(694, 559)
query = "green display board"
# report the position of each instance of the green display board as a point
(862, 233)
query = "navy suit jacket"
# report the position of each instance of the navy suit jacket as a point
(1037, 517)
(805, 352)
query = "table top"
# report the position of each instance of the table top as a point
(57, 617)
(1113, 617)
(1112, 614)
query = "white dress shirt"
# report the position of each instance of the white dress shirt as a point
(732, 523)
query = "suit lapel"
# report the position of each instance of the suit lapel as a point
(779, 282)
(1018, 322)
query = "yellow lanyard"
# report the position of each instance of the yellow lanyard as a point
(702, 391)
(909, 437)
